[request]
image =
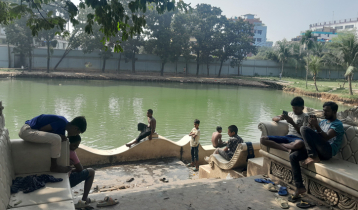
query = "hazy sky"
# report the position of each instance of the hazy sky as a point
(285, 18)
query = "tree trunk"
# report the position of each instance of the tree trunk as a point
(162, 70)
(296, 69)
(186, 69)
(282, 70)
(104, 64)
(329, 73)
(176, 67)
(119, 63)
(9, 55)
(133, 63)
(197, 63)
(48, 56)
(63, 56)
(314, 79)
(30, 60)
(207, 68)
(221, 65)
(350, 85)
(306, 75)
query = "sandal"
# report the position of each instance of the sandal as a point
(283, 203)
(195, 169)
(282, 191)
(293, 199)
(189, 165)
(164, 180)
(80, 204)
(267, 181)
(107, 201)
(305, 204)
(270, 187)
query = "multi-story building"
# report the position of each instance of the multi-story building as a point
(338, 25)
(260, 30)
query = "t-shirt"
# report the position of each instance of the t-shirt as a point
(73, 158)
(337, 126)
(58, 123)
(195, 142)
(232, 144)
(300, 120)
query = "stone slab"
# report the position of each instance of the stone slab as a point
(255, 166)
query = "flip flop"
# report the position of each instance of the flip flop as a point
(270, 187)
(107, 201)
(303, 205)
(195, 169)
(80, 204)
(283, 191)
(164, 180)
(283, 203)
(130, 180)
(264, 181)
(293, 199)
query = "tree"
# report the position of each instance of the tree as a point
(73, 43)
(18, 34)
(109, 15)
(297, 54)
(344, 52)
(231, 40)
(205, 23)
(283, 52)
(48, 37)
(314, 63)
(131, 48)
(159, 36)
(308, 41)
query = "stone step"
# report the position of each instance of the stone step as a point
(255, 166)
(208, 172)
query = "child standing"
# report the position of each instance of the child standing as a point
(194, 144)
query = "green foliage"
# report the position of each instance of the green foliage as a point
(315, 64)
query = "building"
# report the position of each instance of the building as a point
(338, 25)
(2, 36)
(260, 30)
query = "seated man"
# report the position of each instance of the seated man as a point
(146, 130)
(51, 129)
(232, 144)
(78, 174)
(216, 138)
(321, 143)
(295, 120)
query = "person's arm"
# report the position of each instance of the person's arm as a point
(219, 139)
(326, 136)
(226, 149)
(290, 120)
(277, 118)
(78, 167)
(48, 128)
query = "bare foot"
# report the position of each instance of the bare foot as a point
(311, 160)
(299, 191)
(60, 169)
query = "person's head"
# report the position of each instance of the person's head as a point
(219, 129)
(330, 109)
(74, 142)
(232, 130)
(298, 104)
(76, 126)
(149, 113)
(196, 123)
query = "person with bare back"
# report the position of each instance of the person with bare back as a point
(146, 130)
(216, 138)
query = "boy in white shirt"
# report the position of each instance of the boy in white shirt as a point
(194, 144)
(295, 119)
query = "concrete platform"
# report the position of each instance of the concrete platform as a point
(255, 166)
(208, 194)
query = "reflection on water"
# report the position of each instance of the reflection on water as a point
(114, 108)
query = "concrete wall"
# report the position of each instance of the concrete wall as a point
(76, 60)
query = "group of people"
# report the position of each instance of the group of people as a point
(307, 140)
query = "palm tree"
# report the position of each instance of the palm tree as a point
(297, 54)
(283, 52)
(308, 40)
(314, 65)
(344, 51)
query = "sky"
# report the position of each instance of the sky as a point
(285, 18)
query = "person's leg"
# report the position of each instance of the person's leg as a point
(315, 145)
(196, 153)
(36, 136)
(224, 154)
(295, 158)
(88, 183)
(192, 151)
(297, 144)
(222, 144)
(141, 136)
(274, 142)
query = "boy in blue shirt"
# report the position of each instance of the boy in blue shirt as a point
(321, 142)
(51, 129)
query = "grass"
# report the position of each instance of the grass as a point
(9, 70)
(324, 85)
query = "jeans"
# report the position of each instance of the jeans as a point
(194, 153)
(145, 131)
(315, 146)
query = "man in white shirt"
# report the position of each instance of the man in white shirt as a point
(295, 119)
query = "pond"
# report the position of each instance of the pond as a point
(113, 108)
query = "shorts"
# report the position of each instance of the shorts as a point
(284, 139)
(224, 154)
(78, 177)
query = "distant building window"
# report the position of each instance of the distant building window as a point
(259, 32)
(349, 26)
(255, 31)
(338, 27)
(258, 39)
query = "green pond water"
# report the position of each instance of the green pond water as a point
(113, 108)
